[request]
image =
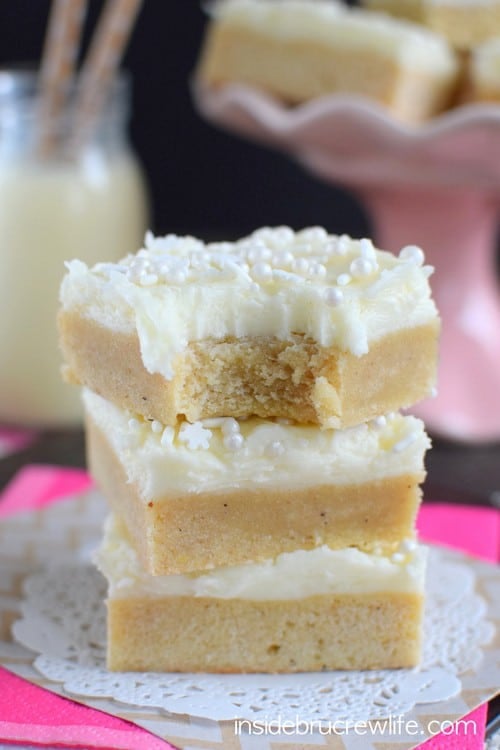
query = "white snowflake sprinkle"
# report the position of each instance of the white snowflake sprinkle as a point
(195, 435)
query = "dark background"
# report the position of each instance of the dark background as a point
(202, 180)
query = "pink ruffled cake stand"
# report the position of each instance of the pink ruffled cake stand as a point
(436, 185)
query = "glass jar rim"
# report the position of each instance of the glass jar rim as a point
(21, 83)
(27, 127)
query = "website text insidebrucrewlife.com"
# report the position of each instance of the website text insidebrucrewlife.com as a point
(395, 726)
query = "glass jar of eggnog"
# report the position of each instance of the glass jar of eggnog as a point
(60, 202)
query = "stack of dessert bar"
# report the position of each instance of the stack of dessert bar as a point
(242, 421)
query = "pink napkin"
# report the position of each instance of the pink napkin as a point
(33, 715)
(35, 487)
(469, 529)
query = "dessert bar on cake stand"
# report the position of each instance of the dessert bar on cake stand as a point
(436, 185)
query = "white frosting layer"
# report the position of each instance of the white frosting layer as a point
(340, 26)
(292, 575)
(336, 291)
(222, 454)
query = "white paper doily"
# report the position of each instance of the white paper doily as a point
(64, 622)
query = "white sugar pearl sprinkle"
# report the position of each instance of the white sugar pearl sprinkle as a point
(282, 259)
(230, 426)
(157, 427)
(397, 557)
(344, 279)
(148, 279)
(331, 247)
(313, 234)
(366, 249)
(259, 254)
(407, 546)
(413, 253)
(361, 267)
(134, 424)
(343, 244)
(262, 272)
(379, 422)
(163, 268)
(282, 234)
(301, 265)
(333, 296)
(274, 449)
(233, 442)
(139, 264)
(179, 277)
(318, 270)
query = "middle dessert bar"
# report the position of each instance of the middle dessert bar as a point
(222, 492)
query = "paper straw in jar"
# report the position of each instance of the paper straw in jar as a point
(102, 61)
(58, 64)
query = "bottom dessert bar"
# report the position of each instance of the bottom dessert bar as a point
(305, 611)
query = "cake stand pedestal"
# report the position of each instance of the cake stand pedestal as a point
(437, 186)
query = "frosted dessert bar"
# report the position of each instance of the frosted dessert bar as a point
(464, 23)
(302, 325)
(302, 611)
(221, 492)
(297, 51)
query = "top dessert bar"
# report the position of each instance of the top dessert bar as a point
(297, 51)
(300, 325)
